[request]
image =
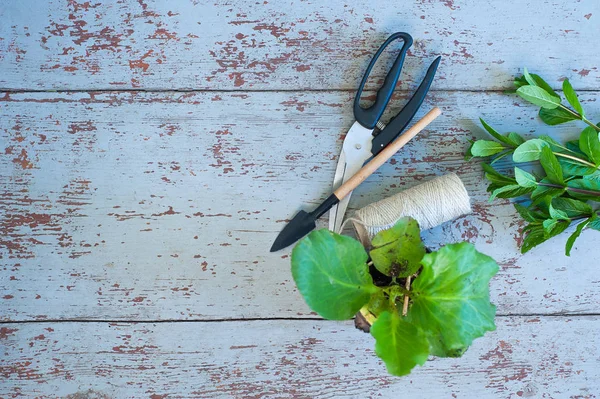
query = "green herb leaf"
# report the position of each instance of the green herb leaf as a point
(538, 82)
(398, 251)
(574, 168)
(594, 222)
(529, 150)
(451, 298)
(571, 207)
(528, 77)
(558, 228)
(525, 179)
(556, 116)
(399, 344)
(573, 145)
(494, 133)
(572, 97)
(485, 148)
(515, 139)
(500, 156)
(528, 214)
(510, 191)
(591, 189)
(332, 275)
(557, 213)
(538, 96)
(590, 145)
(497, 178)
(551, 166)
(549, 225)
(535, 236)
(575, 236)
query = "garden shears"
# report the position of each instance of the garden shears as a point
(368, 136)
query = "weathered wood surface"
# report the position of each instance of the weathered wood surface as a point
(257, 45)
(135, 225)
(158, 206)
(527, 357)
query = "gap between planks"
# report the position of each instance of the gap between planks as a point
(258, 319)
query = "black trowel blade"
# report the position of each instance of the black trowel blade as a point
(302, 224)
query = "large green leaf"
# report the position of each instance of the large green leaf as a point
(510, 191)
(529, 150)
(551, 166)
(451, 298)
(556, 116)
(574, 168)
(590, 145)
(538, 96)
(399, 343)
(332, 275)
(398, 251)
(571, 207)
(572, 97)
(484, 148)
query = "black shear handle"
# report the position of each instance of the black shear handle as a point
(368, 117)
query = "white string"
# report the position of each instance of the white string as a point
(430, 204)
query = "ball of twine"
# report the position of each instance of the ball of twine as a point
(430, 204)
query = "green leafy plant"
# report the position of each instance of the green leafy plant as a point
(567, 190)
(420, 304)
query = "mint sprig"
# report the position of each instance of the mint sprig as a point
(568, 191)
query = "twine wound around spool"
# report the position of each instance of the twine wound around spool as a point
(430, 204)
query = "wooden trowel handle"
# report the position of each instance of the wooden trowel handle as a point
(386, 154)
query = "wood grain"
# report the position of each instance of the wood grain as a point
(159, 206)
(297, 45)
(549, 357)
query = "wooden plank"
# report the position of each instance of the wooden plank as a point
(158, 206)
(258, 45)
(551, 357)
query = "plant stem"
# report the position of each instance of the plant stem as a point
(405, 305)
(581, 117)
(575, 190)
(571, 157)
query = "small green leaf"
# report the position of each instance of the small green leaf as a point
(529, 150)
(574, 168)
(590, 145)
(515, 139)
(500, 156)
(451, 298)
(510, 191)
(571, 207)
(557, 213)
(591, 189)
(560, 226)
(528, 214)
(572, 97)
(399, 343)
(556, 116)
(525, 179)
(551, 166)
(398, 251)
(538, 96)
(575, 236)
(497, 178)
(485, 148)
(549, 225)
(528, 77)
(521, 81)
(535, 236)
(332, 275)
(494, 133)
